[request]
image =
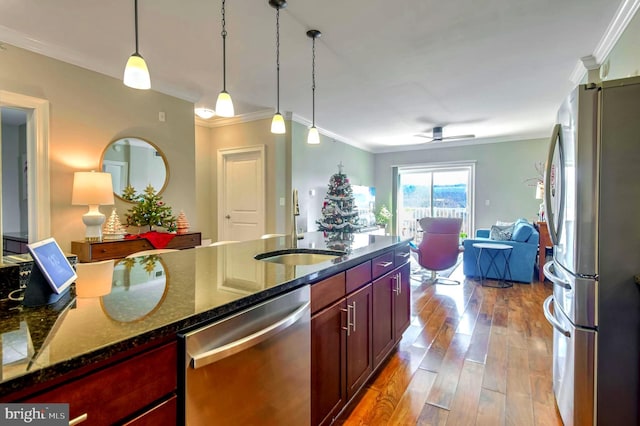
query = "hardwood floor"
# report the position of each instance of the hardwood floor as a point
(472, 355)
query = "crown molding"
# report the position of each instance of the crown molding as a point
(625, 13)
(239, 119)
(331, 135)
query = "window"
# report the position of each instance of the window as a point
(439, 190)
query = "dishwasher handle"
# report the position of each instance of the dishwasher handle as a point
(209, 357)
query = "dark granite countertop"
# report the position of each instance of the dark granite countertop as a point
(151, 298)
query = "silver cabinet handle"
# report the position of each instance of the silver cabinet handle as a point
(405, 255)
(385, 264)
(552, 320)
(232, 348)
(399, 283)
(395, 284)
(348, 327)
(354, 316)
(553, 277)
(81, 418)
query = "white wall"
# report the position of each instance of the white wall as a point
(624, 59)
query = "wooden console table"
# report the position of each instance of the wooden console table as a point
(106, 250)
(544, 244)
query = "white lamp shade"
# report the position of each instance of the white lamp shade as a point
(224, 105)
(313, 138)
(277, 124)
(136, 73)
(92, 188)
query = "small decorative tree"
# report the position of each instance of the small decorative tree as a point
(183, 223)
(383, 216)
(151, 211)
(113, 229)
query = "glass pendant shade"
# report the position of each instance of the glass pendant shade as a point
(313, 138)
(277, 124)
(136, 73)
(224, 105)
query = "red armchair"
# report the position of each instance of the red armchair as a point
(440, 246)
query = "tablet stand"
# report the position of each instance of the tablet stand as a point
(39, 292)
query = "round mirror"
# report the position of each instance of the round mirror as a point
(139, 287)
(135, 162)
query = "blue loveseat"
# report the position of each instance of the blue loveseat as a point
(524, 240)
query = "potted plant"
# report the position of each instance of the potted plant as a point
(383, 216)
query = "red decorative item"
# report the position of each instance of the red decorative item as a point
(156, 239)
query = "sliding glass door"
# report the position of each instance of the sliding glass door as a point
(443, 190)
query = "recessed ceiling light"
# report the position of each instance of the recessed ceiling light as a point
(205, 113)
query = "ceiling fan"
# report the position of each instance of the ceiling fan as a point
(436, 135)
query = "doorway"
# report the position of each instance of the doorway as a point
(36, 129)
(438, 190)
(241, 193)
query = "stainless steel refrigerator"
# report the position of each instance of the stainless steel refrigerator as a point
(592, 200)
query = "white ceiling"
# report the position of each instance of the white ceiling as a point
(385, 70)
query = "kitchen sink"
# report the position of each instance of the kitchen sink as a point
(299, 256)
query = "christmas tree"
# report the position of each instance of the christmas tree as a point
(113, 229)
(339, 212)
(150, 211)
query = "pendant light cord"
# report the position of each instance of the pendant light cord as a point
(136, 24)
(313, 83)
(224, 49)
(278, 60)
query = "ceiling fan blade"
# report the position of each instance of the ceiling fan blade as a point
(459, 137)
(423, 136)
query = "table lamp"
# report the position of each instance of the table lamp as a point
(92, 189)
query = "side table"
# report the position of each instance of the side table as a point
(492, 250)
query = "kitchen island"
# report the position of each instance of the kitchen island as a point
(50, 348)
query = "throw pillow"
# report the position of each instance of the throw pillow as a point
(504, 223)
(522, 232)
(501, 233)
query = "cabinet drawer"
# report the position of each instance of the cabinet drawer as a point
(402, 255)
(358, 276)
(327, 291)
(165, 413)
(109, 395)
(382, 264)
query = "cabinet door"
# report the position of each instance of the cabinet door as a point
(402, 311)
(359, 354)
(383, 334)
(328, 363)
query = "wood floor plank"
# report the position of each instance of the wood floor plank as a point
(448, 377)
(546, 415)
(519, 410)
(410, 406)
(491, 408)
(465, 403)
(495, 372)
(432, 416)
(518, 371)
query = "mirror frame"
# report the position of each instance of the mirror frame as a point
(162, 155)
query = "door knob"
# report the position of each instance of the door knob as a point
(228, 217)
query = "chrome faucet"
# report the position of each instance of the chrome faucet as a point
(296, 212)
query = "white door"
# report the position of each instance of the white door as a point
(241, 193)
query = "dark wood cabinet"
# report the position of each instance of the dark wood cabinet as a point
(359, 357)
(106, 250)
(328, 363)
(130, 389)
(355, 324)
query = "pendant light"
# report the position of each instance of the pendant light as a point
(277, 124)
(136, 73)
(224, 105)
(313, 138)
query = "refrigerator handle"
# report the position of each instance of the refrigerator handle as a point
(556, 139)
(553, 277)
(549, 316)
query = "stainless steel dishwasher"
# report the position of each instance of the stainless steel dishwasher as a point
(253, 368)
